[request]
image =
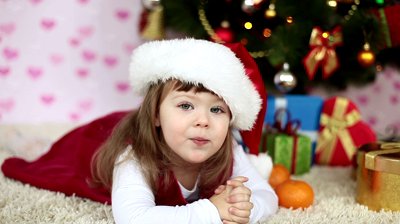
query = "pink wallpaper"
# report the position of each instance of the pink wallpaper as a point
(67, 61)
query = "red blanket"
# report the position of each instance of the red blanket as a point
(66, 167)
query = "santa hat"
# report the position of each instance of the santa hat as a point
(228, 71)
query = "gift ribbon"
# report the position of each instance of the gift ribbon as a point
(290, 128)
(336, 129)
(323, 52)
(389, 165)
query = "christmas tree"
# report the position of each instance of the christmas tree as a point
(297, 44)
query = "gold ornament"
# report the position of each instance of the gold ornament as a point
(270, 12)
(366, 57)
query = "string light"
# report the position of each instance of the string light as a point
(352, 10)
(248, 25)
(332, 3)
(267, 32)
(289, 19)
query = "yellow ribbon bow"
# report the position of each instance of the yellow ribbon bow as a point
(335, 129)
(389, 165)
(322, 52)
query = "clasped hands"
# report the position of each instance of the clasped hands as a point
(233, 201)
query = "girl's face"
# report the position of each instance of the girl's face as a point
(194, 124)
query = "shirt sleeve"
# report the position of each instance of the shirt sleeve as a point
(263, 196)
(133, 201)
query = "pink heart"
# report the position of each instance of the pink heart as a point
(7, 28)
(34, 72)
(110, 61)
(82, 72)
(6, 105)
(34, 2)
(74, 42)
(396, 85)
(377, 88)
(129, 48)
(372, 121)
(85, 105)
(48, 24)
(88, 55)
(122, 14)
(4, 71)
(47, 99)
(388, 73)
(74, 116)
(83, 1)
(394, 99)
(85, 31)
(363, 100)
(10, 54)
(122, 87)
(56, 59)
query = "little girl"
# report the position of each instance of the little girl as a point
(174, 160)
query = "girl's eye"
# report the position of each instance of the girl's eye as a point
(185, 106)
(217, 110)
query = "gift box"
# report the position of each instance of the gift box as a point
(305, 108)
(378, 176)
(292, 151)
(341, 132)
(285, 146)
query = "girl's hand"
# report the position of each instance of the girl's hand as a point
(220, 201)
(239, 199)
(233, 201)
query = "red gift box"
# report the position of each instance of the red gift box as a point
(341, 132)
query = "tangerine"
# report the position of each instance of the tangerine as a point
(279, 174)
(295, 194)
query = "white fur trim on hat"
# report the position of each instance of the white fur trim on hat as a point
(198, 61)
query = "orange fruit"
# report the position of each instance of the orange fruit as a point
(279, 174)
(295, 194)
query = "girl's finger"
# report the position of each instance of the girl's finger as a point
(234, 183)
(236, 198)
(241, 179)
(241, 190)
(219, 189)
(243, 206)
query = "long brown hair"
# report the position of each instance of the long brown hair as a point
(149, 147)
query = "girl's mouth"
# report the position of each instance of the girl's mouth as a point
(200, 141)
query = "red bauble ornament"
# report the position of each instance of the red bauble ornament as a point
(225, 34)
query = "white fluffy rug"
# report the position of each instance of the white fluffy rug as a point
(20, 203)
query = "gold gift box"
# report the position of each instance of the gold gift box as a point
(378, 176)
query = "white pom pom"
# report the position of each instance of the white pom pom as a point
(263, 164)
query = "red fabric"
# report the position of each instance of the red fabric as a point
(66, 167)
(252, 138)
(360, 133)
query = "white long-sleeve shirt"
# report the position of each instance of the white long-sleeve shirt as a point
(134, 202)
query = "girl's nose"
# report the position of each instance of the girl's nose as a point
(202, 120)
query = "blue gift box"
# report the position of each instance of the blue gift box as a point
(305, 108)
